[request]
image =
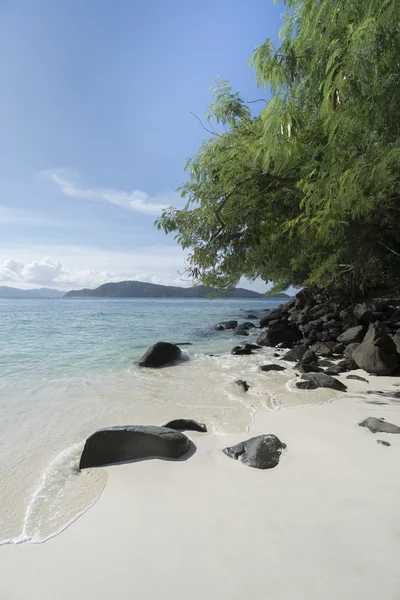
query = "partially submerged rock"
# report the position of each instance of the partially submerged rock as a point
(160, 354)
(325, 381)
(226, 325)
(243, 384)
(241, 350)
(272, 368)
(273, 337)
(131, 442)
(306, 385)
(379, 425)
(261, 452)
(186, 425)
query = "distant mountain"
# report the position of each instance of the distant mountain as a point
(10, 292)
(138, 289)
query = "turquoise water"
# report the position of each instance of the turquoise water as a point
(68, 367)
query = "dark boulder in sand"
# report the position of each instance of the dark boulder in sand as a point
(325, 381)
(186, 425)
(225, 325)
(296, 354)
(131, 442)
(160, 354)
(272, 368)
(335, 370)
(377, 354)
(243, 384)
(379, 425)
(357, 377)
(383, 443)
(308, 368)
(261, 452)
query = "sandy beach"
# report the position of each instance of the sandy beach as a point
(323, 524)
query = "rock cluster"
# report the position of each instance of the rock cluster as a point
(363, 335)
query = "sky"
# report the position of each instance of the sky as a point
(96, 127)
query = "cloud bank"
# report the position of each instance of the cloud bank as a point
(135, 200)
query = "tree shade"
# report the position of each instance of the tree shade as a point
(307, 191)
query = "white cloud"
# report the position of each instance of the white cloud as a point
(51, 273)
(135, 200)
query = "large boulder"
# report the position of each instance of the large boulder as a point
(396, 339)
(352, 335)
(379, 425)
(364, 312)
(186, 425)
(245, 326)
(296, 354)
(325, 381)
(271, 316)
(377, 354)
(273, 337)
(225, 325)
(131, 442)
(261, 452)
(160, 354)
(309, 357)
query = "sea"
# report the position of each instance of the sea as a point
(70, 366)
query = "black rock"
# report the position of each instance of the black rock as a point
(243, 384)
(348, 364)
(357, 377)
(308, 368)
(261, 452)
(309, 357)
(272, 368)
(183, 343)
(160, 354)
(245, 326)
(273, 337)
(131, 442)
(325, 363)
(241, 351)
(306, 385)
(186, 424)
(379, 425)
(323, 348)
(251, 317)
(349, 350)
(352, 335)
(296, 354)
(252, 346)
(241, 332)
(271, 316)
(377, 354)
(364, 312)
(226, 325)
(383, 442)
(276, 355)
(325, 381)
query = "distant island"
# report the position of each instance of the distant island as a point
(7, 292)
(138, 289)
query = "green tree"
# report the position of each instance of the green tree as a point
(307, 191)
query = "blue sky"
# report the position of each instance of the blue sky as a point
(96, 128)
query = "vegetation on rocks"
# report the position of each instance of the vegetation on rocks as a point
(307, 190)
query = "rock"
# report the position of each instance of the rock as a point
(308, 368)
(243, 384)
(296, 354)
(377, 354)
(245, 326)
(306, 385)
(252, 346)
(272, 368)
(271, 316)
(323, 348)
(396, 339)
(383, 442)
(276, 355)
(348, 364)
(251, 317)
(261, 452)
(379, 425)
(338, 348)
(272, 337)
(350, 349)
(352, 335)
(335, 370)
(160, 354)
(186, 424)
(226, 325)
(241, 332)
(364, 312)
(240, 351)
(326, 363)
(357, 377)
(131, 442)
(325, 381)
(309, 357)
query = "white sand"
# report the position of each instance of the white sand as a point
(324, 524)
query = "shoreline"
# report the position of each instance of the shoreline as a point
(320, 522)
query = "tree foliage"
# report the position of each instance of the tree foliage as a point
(307, 191)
